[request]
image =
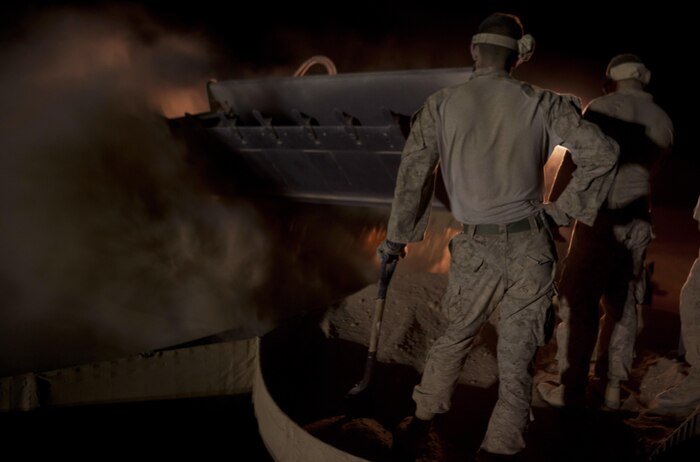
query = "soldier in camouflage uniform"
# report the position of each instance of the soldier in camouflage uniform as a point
(681, 400)
(607, 259)
(491, 136)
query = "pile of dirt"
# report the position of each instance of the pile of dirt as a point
(412, 322)
(316, 379)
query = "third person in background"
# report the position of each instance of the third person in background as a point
(605, 262)
(682, 399)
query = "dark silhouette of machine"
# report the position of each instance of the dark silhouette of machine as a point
(333, 138)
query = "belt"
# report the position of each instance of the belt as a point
(526, 224)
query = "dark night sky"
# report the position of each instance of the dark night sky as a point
(259, 35)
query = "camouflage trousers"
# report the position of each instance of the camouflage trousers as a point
(690, 316)
(513, 271)
(604, 264)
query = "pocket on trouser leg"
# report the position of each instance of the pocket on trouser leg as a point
(471, 266)
(468, 278)
(532, 290)
(463, 256)
(465, 263)
(535, 276)
(464, 280)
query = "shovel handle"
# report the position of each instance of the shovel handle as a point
(386, 271)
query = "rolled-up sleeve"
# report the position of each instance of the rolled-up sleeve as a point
(415, 182)
(594, 154)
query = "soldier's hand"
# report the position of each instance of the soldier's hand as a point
(557, 215)
(389, 251)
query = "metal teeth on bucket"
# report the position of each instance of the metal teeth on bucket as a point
(325, 138)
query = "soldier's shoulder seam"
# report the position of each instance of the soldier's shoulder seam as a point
(442, 93)
(528, 89)
(547, 96)
(438, 97)
(566, 98)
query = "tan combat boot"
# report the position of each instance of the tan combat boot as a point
(552, 393)
(557, 395)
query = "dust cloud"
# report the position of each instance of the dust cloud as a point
(111, 242)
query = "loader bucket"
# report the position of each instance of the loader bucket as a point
(324, 138)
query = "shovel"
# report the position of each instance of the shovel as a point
(356, 395)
